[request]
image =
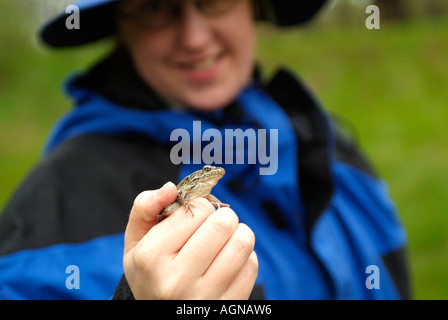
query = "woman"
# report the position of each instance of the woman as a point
(320, 219)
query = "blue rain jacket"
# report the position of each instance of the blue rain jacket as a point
(321, 221)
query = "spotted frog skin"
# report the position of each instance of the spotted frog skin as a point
(197, 184)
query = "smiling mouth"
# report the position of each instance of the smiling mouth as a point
(202, 69)
(201, 64)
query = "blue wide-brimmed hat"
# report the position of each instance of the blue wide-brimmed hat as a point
(97, 19)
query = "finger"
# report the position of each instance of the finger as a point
(204, 245)
(237, 250)
(143, 216)
(242, 285)
(170, 235)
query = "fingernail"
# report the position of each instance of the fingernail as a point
(164, 187)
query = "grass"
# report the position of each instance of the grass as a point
(390, 83)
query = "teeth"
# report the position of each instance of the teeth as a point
(203, 64)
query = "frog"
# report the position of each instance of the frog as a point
(197, 184)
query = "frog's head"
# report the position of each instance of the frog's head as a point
(209, 174)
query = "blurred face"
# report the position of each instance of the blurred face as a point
(195, 53)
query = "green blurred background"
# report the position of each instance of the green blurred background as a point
(390, 85)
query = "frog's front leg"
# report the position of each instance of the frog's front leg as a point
(185, 201)
(215, 201)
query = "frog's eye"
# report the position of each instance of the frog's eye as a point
(207, 168)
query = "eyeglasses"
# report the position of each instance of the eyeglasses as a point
(160, 13)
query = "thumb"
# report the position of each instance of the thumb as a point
(147, 206)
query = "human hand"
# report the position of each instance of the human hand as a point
(208, 256)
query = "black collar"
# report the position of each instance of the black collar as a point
(115, 78)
